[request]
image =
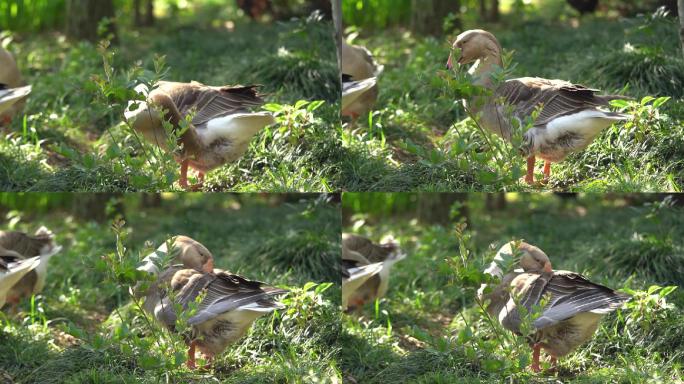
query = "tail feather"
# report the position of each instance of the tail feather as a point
(238, 127)
(10, 96)
(351, 91)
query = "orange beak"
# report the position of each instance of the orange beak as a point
(209, 266)
(449, 64)
(547, 267)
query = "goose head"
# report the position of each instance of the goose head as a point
(534, 259)
(474, 45)
(147, 118)
(194, 254)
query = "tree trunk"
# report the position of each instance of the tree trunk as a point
(93, 206)
(150, 200)
(137, 16)
(337, 21)
(680, 7)
(149, 13)
(495, 201)
(427, 16)
(483, 9)
(494, 11)
(435, 208)
(84, 17)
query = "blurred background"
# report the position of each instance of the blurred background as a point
(425, 327)
(84, 326)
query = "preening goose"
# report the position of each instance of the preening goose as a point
(370, 265)
(13, 267)
(569, 318)
(191, 254)
(228, 307)
(221, 126)
(356, 270)
(42, 244)
(352, 90)
(358, 65)
(570, 115)
(13, 89)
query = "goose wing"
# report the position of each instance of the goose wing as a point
(556, 97)
(572, 293)
(227, 292)
(210, 102)
(371, 251)
(42, 243)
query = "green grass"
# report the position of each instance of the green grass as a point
(74, 139)
(74, 332)
(419, 137)
(428, 329)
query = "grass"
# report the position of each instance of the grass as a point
(428, 328)
(419, 137)
(83, 327)
(73, 138)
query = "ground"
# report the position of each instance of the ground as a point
(428, 329)
(72, 332)
(419, 137)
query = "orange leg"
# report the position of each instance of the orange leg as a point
(210, 360)
(554, 363)
(536, 349)
(184, 175)
(529, 178)
(191, 355)
(547, 171)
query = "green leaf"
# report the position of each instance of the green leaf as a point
(148, 362)
(660, 101)
(647, 99)
(491, 365)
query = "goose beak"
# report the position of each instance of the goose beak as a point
(547, 267)
(208, 267)
(449, 64)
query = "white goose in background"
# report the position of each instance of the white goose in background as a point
(352, 90)
(570, 115)
(42, 245)
(356, 271)
(13, 89)
(221, 127)
(359, 92)
(366, 269)
(10, 96)
(13, 267)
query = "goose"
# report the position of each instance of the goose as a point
(228, 307)
(570, 115)
(356, 270)
(358, 64)
(374, 263)
(42, 245)
(13, 267)
(569, 318)
(191, 254)
(221, 124)
(354, 90)
(13, 89)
